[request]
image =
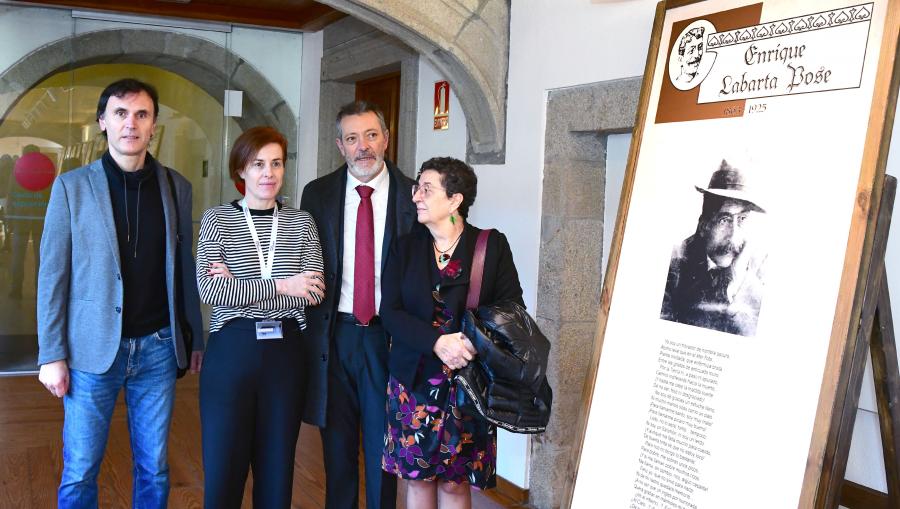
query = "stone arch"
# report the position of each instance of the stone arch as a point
(210, 66)
(468, 41)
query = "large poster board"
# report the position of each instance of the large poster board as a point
(734, 281)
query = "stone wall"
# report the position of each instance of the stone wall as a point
(206, 64)
(579, 119)
(467, 41)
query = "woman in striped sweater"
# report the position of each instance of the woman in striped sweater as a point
(259, 264)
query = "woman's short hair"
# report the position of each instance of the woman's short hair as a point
(456, 177)
(249, 144)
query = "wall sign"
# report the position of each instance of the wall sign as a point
(441, 105)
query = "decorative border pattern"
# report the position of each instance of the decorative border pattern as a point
(806, 23)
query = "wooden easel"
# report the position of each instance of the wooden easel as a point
(880, 342)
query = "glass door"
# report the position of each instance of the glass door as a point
(36, 133)
(51, 80)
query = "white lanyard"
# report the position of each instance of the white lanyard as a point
(264, 267)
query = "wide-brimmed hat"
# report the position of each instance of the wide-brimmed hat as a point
(730, 182)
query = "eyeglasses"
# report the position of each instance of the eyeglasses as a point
(426, 189)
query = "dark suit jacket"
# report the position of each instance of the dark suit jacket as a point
(407, 306)
(698, 295)
(80, 289)
(324, 199)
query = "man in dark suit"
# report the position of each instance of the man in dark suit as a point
(360, 209)
(111, 306)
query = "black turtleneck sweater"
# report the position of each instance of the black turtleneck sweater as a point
(140, 228)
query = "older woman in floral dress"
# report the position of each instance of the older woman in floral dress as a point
(429, 441)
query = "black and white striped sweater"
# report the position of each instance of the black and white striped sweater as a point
(224, 236)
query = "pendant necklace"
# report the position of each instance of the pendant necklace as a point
(444, 256)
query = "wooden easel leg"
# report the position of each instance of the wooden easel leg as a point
(887, 390)
(837, 449)
(886, 376)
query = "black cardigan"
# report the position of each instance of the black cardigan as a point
(407, 307)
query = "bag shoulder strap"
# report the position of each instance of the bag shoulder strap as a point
(477, 270)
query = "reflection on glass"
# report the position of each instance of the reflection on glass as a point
(52, 129)
(617, 146)
(57, 115)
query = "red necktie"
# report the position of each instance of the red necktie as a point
(364, 264)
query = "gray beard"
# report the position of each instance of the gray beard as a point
(358, 172)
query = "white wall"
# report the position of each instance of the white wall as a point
(308, 130)
(553, 44)
(431, 143)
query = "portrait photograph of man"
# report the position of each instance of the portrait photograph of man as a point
(716, 276)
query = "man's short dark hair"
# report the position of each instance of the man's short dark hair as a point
(124, 87)
(456, 177)
(358, 108)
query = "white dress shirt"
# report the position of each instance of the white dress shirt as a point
(381, 186)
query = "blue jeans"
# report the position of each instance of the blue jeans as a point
(146, 368)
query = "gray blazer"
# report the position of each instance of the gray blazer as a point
(80, 290)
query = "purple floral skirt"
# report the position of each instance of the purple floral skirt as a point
(428, 438)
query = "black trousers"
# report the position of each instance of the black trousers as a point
(357, 395)
(251, 403)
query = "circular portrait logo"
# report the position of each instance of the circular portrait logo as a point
(689, 62)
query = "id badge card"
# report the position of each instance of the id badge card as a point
(270, 329)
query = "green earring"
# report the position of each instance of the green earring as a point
(452, 219)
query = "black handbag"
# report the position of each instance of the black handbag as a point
(507, 383)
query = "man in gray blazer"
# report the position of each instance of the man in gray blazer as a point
(117, 303)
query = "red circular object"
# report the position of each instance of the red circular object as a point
(34, 171)
(241, 188)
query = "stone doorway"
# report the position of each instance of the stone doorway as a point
(579, 121)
